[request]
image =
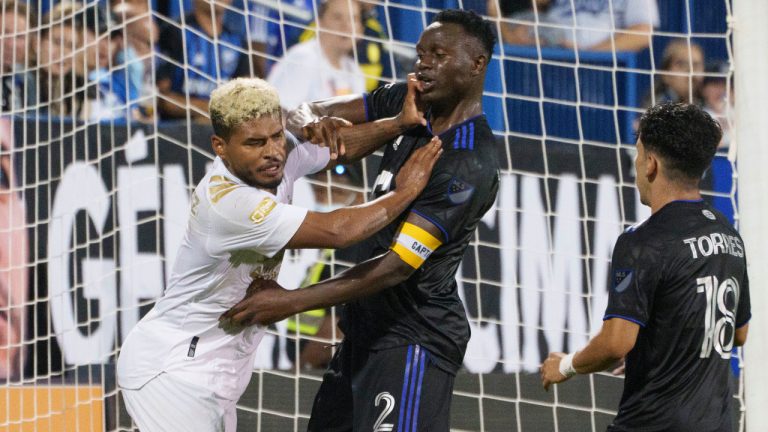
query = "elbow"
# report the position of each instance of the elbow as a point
(740, 341)
(341, 236)
(398, 271)
(740, 338)
(401, 272)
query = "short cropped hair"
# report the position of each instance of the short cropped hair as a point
(240, 100)
(683, 135)
(473, 24)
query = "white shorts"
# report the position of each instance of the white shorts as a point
(169, 404)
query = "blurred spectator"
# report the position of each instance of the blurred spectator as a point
(193, 63)
(252, 18)
(682, 74)
(322, 67)
(139, 34)
(372, 58)
(59, 39)
(16, 44)
(13, 261)
(597, 25)
(527, 11)
(717, 96)
(94, 66)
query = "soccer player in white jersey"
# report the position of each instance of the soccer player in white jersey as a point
(180, 369)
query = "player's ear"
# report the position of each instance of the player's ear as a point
(217, 144)
(652, 166)
(479, 64)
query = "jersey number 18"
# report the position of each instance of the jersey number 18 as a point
(718, 332)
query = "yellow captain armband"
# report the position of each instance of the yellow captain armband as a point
(414, 244)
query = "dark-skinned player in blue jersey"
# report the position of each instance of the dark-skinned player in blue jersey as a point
(680, 296)
(405, 327)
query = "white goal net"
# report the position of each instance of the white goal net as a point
(104, 133)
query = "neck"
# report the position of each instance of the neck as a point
(665, 194)
(331, 53)
(445, 116)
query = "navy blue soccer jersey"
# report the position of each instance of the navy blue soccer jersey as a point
(425, 309)
(207, 61)
(681, 276)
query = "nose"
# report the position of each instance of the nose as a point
(424, 61)
(275, 150)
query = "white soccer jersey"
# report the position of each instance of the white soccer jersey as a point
(235, 233)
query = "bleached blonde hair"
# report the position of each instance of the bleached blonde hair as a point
(240, 100)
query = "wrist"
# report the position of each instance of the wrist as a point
(401, 123)
(566, 366)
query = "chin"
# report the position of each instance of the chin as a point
(271, 183)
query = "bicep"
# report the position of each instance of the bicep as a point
(416, 240)
(619, 335)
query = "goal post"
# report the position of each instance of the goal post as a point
(751, 68)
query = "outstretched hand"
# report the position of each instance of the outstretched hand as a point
(550, 370)
(265, 302)
(326, 131)
(416, 171)
(412, 113)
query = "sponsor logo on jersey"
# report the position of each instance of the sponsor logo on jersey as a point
(622, 278)
(708, 214)
(220, 187)
(262, 210)
(459, 191)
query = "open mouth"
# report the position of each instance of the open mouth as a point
(272, 169)
(427, 83)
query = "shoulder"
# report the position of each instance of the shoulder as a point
(470, 143)
(390, 90)
(228, 198)
(309, 48)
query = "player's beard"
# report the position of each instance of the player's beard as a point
(271, 183)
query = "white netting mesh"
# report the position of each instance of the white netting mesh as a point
(105, 133)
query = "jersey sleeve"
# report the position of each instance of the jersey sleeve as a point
(744, 308)
(632, 282)
(251, 219)
(386, 101)
(305, 158)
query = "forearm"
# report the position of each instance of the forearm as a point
(635, 41)
(365, 279)
(616, 338)
(360, 222)
(363, 139)
(350, 108)
(594, 358)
